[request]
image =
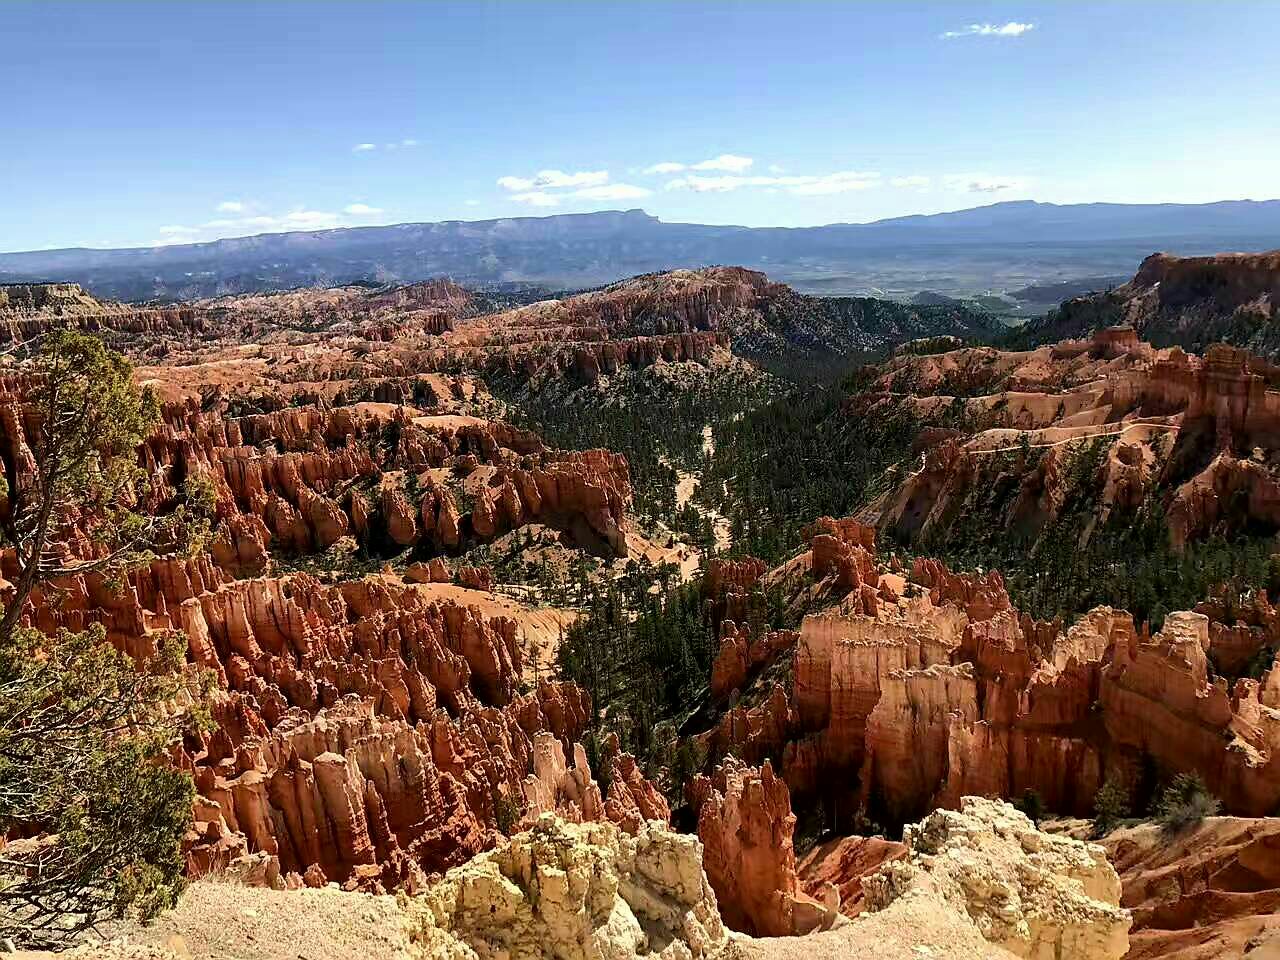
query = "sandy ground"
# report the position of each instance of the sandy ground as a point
(223, 921)
(918, 929)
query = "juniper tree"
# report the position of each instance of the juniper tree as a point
(93, 812)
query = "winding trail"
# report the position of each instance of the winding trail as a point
(1086, 436)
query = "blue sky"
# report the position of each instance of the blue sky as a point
(143, 123)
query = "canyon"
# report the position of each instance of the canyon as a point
(1198, 434)
(391, 712)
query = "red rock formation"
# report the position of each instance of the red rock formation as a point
(842, 862)
(740, 655)
(745, 824)
(944, 690)
(1210, 891)
(1156, 412)
(364, 732)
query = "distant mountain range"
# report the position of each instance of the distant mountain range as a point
(1004, 248)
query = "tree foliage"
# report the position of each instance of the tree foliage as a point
(1185, 802)
(94, 813)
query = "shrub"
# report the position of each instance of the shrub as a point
(1032, 804)
(506, 811)
(1111, 804)
(94, 813)
(1185, 802)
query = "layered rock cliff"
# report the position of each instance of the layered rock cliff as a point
(940, 688)
(1011, 438)
(1193, 301)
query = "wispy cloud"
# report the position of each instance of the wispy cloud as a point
(404, 144)
(612, 191)
(1011, 29)
(909, 181)
(985, 183)
(727, 162)
(843, 181)
(554, 179)
(550, 188)
(537, 198)
(253, 221)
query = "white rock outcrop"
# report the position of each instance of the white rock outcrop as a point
(1037, 895)
(574, 892)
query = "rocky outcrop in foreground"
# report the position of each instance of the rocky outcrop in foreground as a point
(586, 892)
(745, 824)
(1038, 896)
(978, 884)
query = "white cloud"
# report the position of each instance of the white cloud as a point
(1010, 29)
(604, 191)
(242, 222)
(554, 179)
(537, 198)
(911, 181)
(231, 206)
(843, 181)
(667, 166)
(777, 168)
(312, 219)
(612, 191)
(983, 183)
(727, 162)
(406, 143)
(299, 218)
(472, 203)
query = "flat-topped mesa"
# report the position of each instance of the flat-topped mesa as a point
(1227, 281)
(1189, 301)
(28, 311)
(586, 353)
(681, 301)
(589, 360)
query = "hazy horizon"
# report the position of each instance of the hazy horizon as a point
(641, 210)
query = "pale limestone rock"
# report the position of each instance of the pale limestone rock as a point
(575, 892)
(1039, 896)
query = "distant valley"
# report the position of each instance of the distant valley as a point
(1028, 256)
